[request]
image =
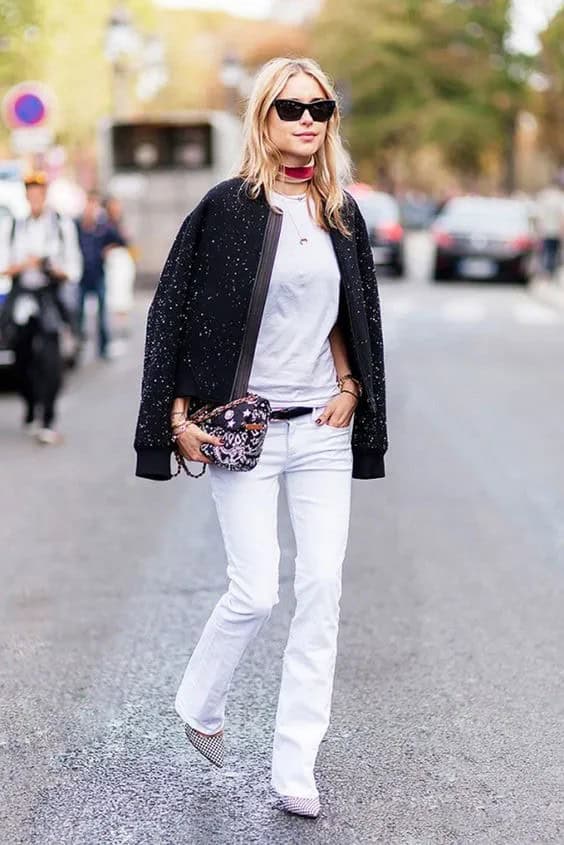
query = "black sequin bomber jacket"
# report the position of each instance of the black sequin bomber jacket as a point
(197, 319)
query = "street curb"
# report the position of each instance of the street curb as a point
(551, 293)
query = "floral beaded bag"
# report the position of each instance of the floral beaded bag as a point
(242, 423)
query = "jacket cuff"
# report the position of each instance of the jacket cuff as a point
(153, 464)
(368, 463)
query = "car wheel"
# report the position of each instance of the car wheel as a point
(440, 275)
(8, 379)
(523, 279)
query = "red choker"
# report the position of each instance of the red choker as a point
(297, 174)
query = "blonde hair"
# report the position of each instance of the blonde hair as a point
(261, 159)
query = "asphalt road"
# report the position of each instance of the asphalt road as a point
(449, 698)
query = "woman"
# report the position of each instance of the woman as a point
(318, 358)
(120, 270)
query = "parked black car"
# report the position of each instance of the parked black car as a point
(6, 352)
(382, 216)
(484, 238)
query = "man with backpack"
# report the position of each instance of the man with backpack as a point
(40, 253)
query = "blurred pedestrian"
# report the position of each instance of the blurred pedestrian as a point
(550, 221)
(114, 213)
(120, 270)
(40, 252)
(96, 235)
(270, 288)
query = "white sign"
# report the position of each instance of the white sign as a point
(33, 139)
(128, 185)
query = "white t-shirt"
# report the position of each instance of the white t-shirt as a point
(293, 364)
(43, 237)
(550, 205)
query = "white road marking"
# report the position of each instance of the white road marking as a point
(464, 311)
(534, 314)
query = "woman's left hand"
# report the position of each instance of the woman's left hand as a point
(339, 411)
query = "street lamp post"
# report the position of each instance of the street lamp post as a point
(128, 50)
(153, 72)
(232, 75)
(122, 41)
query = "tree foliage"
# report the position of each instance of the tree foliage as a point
(425, 72)
(63, 46)
(19, 33)
(550, 109)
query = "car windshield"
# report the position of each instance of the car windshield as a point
(485, 216)
(378, 208)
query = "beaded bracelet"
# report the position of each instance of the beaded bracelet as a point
(177, 430)
(349, 377)
(356, 395)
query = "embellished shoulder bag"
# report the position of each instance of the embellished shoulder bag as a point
(241, 423)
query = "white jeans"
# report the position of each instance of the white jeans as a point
(316, 462)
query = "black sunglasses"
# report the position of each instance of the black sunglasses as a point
(320, 111)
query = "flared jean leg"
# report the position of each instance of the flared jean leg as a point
(319, 504)
(247, 505)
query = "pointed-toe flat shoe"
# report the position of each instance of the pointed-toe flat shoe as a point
(309, 807)
(212, 747)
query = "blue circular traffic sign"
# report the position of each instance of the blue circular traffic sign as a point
(29, 109)
(26, 105)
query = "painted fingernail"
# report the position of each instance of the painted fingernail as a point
(318, 420)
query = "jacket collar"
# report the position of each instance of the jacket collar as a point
(345, 248)
(345, 251)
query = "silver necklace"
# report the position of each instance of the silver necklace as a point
(302, 238)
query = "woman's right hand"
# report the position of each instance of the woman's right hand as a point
(190, 441)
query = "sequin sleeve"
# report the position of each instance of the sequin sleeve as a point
(166, 322)
(369, 455)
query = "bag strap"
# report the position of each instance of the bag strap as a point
(60, 232)
(256, 305)
(58, 226)
(181, 465)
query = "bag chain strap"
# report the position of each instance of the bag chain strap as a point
(182, 466)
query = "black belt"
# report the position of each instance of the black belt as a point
(288, 413)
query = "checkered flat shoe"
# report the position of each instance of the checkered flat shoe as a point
(301, 806)
(211, 747)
